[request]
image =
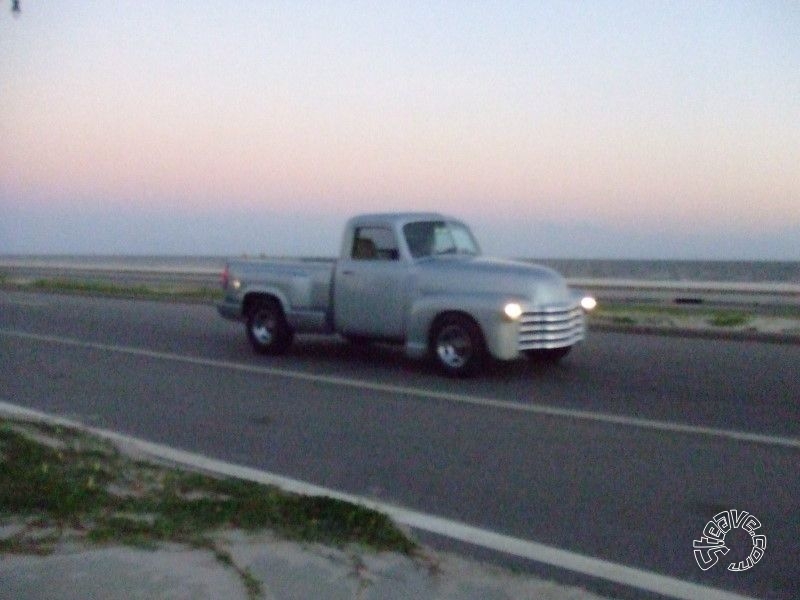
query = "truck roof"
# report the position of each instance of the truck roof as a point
(401, 217)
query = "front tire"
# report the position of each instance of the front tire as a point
(267, 329)
(457, 346)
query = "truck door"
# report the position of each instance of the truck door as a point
(370, 288)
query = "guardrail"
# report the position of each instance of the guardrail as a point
(688, 293)
(692, 293)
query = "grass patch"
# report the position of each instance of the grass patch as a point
(629, 313)
(95, 287)
(40, 479)
(623, 320)
(105, 288)
(65, 484)
(607, 310)
(729, 319)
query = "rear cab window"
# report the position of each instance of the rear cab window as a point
(374, 243)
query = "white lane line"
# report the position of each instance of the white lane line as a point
(563, 559)
(539, 409)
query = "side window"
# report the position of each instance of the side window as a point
(374, 243)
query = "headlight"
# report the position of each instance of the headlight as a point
(588, 303)
(513, 311)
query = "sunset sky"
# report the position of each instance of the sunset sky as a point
(557, 129)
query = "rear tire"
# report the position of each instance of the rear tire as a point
(457, 346)
(267, 329)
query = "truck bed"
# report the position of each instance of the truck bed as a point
(304, 286)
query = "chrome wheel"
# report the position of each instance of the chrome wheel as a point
(454, 347)
(262, 327)
(457, 345)
(267, 329)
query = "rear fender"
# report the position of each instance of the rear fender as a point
(254, 294)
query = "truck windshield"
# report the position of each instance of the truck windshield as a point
(433, 238)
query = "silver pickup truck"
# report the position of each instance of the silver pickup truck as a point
(416, 279)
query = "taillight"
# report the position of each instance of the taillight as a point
(225, 278)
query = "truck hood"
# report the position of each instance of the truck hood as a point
(536, 284)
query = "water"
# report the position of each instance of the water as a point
(680, 270)
(653, 270)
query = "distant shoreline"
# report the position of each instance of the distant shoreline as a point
(754, 271)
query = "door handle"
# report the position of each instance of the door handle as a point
(348, 273)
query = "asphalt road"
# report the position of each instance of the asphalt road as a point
(636, 490)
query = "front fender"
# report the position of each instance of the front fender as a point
(499, 333)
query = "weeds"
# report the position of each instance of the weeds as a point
(71, 485)
(623, 320)
(631, 314)
(105, 288)
(729, 319)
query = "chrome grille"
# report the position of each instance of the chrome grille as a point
(551, 327)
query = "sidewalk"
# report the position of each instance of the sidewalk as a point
(282, 570)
